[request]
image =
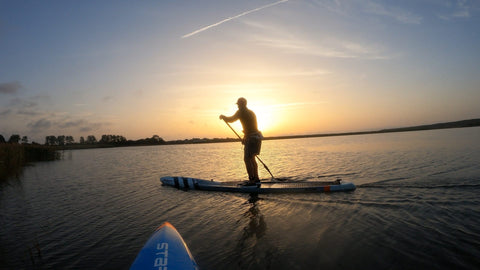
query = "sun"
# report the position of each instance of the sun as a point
(266, 119)
(269, 117)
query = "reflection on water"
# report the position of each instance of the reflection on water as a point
(254, 229)
(416, 205)
(256, 222)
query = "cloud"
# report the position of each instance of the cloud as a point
(232, 18)
(296, 104)
(77, 123)
(334, 6)
(63, 126)
(23, 103)
(5, 112)
(87, 127)
(28, 102)
(106, 99)
(460, 10)
(304, 73)
(39, 125)
(327, 48)
(27, 112)
(398, 14)
(288, 41)
(35, 116)
(349, 7)
(73, 123)
(10, 88)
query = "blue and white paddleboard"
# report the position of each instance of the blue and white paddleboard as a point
(263, 187)
(165, 250)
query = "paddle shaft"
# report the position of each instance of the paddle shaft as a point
(264, 165)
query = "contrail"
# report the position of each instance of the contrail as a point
(231, 18)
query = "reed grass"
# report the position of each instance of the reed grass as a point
(14, 156)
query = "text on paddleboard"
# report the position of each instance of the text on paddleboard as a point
(161, 259)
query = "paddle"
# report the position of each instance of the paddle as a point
(264, 165)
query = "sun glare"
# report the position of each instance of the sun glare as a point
(266, 119)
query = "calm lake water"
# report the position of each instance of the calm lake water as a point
(416, 206)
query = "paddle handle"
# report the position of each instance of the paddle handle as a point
(232, 129)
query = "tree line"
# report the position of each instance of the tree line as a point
(62, 140)
(15, 138)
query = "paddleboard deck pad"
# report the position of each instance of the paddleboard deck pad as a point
(187, 183)
(165, 249)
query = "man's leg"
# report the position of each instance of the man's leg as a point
(255, 169)
(252, 148)
(249, 167)
(252, 168)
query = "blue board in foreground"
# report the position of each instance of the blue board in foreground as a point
(264, 187)
(165, 250)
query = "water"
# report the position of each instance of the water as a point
(416, 205)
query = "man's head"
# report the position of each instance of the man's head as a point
(242, 102)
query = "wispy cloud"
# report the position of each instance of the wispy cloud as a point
(371, 7)
(5, 112)
(232, 18)
(107, 98)
(28, 102)
(282, 39)
(459, 10)
(27, 112)
(305, 73)
(51, 123)
(39, 125)
(327, 48)
(35, 116)
(399, 14)
(249, 72)
(10, 88)
(73, 123)
(296, 104)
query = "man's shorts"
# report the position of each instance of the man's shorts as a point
(253, 144)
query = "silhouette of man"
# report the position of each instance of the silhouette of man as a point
(252, 139)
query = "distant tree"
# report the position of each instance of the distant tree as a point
(113, 139)
(24, 139)
(157, 140)
(82, 140)
(61, 140)
(2, 139)
(104, 139)
(51, 140)
(15, 138)
(69, 140)
(91, 139)
(121, 139)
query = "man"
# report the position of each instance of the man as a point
(252, 138)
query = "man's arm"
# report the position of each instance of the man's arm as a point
(229, 119)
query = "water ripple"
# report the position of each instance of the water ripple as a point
(416, 206)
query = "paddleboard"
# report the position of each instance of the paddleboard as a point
(186, 183)
(165, 250)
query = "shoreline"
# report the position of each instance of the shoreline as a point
(16, 156)
(445, 125)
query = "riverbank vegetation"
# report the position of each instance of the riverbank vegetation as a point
(13, 156)
(68, 142)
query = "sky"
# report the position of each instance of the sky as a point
(170, 68)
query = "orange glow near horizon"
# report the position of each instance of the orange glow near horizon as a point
(176, 76)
